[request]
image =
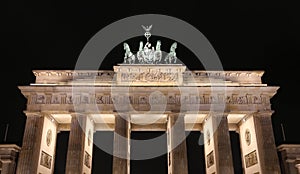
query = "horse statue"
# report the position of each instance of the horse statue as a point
(157, 53)
(129, 56)
(140, 54)
(148, 54)
(171, 55)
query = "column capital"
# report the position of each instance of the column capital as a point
(218, 114)
(263, 114)
(215, 115)
(6, 160)
(76, 114)
(122, 113)
(298, 166)
(33, 114)
(11, 147)
(176, 115)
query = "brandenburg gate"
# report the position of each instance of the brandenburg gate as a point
(149, 94)
(129, 95)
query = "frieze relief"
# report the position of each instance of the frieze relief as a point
(100, 98)
(156, 76)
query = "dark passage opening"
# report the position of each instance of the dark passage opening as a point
(102, 160)
(195, 153)
(236, 152)
(61, 152)
(157, 165)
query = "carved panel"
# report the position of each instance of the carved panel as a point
(89, 137)
(33, 99)
(56, 99)
(208, 137)
(256, 99)
(251, 159)
(210, 159)
(76, 99)
(185, 100)
(157, 98)
(49, 137)
(84, 99)
(46, 160)
(63, 99)
(143, 100)
(87, 159)
(69, 99)
(249, 98)
(178, 99)
(242, 100)
(248, 137)
(101, 98)
(154, 76)
(171, 99)
(48, 98)
(40, 99)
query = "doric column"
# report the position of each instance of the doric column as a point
(8, 167)
(177, 154)
(288, 154)
(8, 156)
(259, 153)
(217, 145)
(298, 165)
(80, 148)
(121, 151)
(39, 142)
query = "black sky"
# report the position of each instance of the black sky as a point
(247, 35)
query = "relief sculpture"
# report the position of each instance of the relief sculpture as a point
(171, 99)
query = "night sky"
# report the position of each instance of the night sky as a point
(246, 35)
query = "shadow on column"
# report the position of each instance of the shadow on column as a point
(156, 165)
(195, 152)
(236, 152)
(61, 152)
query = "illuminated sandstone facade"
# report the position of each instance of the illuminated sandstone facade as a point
(130, 97)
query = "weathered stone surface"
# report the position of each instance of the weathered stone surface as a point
(267, 151)
(217, 144)
(29, 155)
(8, 156)
(138, 89)
(121, 157)
(290, 158)
(177, 156)
(75, 154)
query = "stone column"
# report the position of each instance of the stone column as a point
(288, 154)
(8, 156)
(259, 153)
(38, 148)
(298, 166)
(80, 147)
(217, 145)
(8, 167)
(121, 151)
(177, 154)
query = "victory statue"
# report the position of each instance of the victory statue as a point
(148, 54)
